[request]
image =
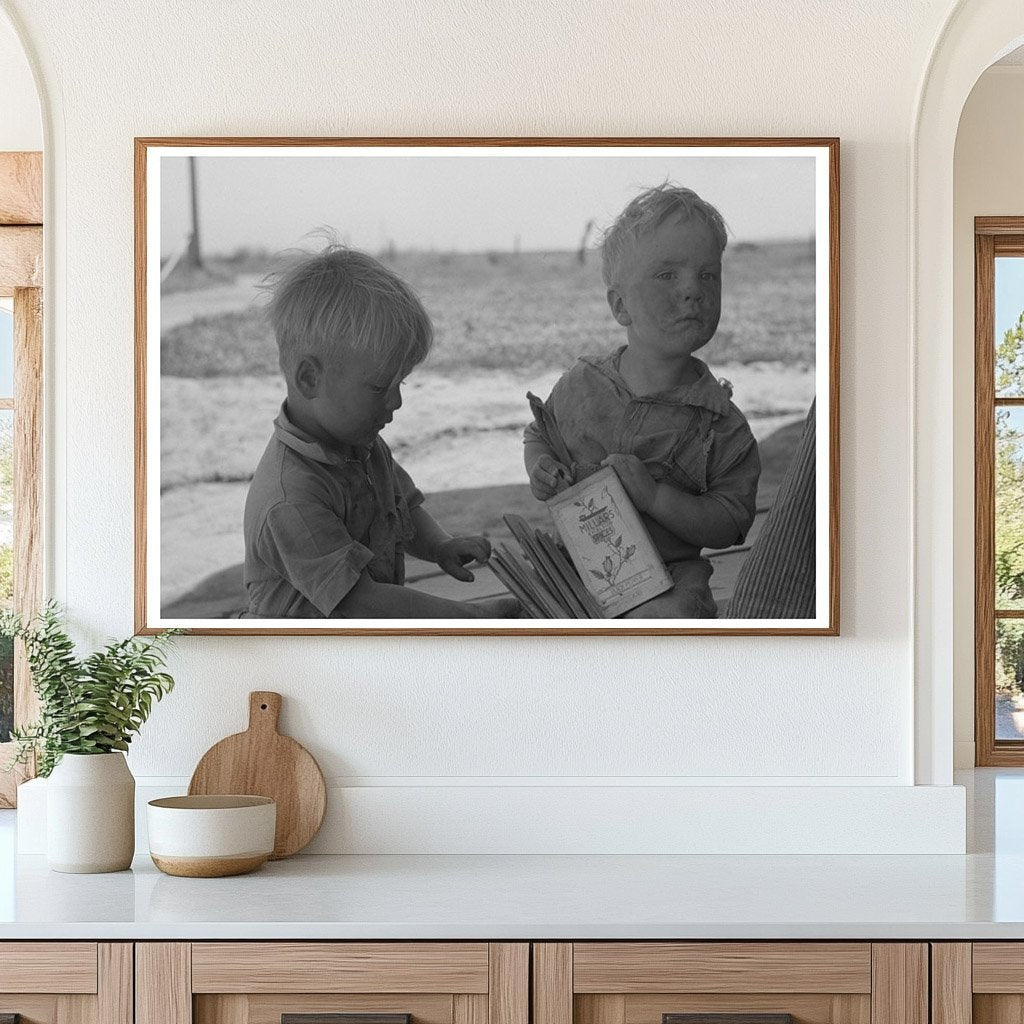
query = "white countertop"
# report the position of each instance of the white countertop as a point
(976, 896)
(518, 897)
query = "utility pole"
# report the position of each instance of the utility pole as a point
(194, 253)
(581, 253)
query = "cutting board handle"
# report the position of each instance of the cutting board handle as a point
(264, 710)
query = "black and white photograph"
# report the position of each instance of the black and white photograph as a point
(487, 386)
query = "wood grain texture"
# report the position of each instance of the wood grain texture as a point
(899, 991)
(21, 188)
(163, 983)
(345, 1017)
(999, 226)
(1012, 244)
(508, 993)
(268, 1009)
(76, 1009)
(636, 967)
(805, 1008)
(998, 1009)
(225, 1009)
(65, 967)
(28, 1009)
(984, 502)
(951, 983)
(28, 484)
(9, 781)
(994, 236)
(208, 867)
(834, 490)
(849, 1009)
(115, 1002)
(286, 141)
(998, 967)
(552, 983)
(262, 762)
(141, 358)
(21, 259)
(304, 967)
(603, 1009)
(728, 1018)
(467, 1009)
(144, 144)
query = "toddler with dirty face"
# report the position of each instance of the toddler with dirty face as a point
(651, 409)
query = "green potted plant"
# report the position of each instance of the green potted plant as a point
(89, 710)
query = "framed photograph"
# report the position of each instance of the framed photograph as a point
(476, 385)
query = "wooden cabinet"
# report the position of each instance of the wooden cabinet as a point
(512, 982)
(978, 983)
(262, 982)
(66, 982)
(656, 982)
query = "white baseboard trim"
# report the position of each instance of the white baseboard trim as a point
(454, 819)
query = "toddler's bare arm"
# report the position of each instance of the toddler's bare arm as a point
(698, 519)
(433, 543)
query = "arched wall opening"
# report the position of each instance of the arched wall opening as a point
(989, 152)
(976, 35)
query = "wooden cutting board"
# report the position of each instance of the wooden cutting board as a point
(262, 762)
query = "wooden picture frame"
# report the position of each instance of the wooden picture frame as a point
(512, 192)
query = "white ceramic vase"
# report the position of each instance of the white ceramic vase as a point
(90, 814)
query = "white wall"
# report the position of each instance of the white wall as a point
(987, 182)
(458, 712)
(21, 127)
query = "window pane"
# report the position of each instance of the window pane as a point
(1009, 679)
(1009, 338)
(1009, 508)
(6, 353)
(6, 570)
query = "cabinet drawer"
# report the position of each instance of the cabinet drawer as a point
(66, 982)
(340, 967)
(734, 982)
(332, 983)
(635, 967)
(65, 967)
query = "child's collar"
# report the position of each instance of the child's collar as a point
(705, 392)
(310, 447)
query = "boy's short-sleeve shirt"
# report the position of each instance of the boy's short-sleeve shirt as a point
(317, 517)
(692, 436)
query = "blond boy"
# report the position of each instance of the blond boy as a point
(330, 514)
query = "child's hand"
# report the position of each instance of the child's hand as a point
(548, 477)
(453, 554)
(639, 483)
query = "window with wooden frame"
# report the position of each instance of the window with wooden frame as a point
(21, 362)
(999, 490)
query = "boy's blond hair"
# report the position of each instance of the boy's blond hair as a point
(342, 299)
(647, 211)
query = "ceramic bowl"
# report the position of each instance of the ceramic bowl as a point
(211, 836)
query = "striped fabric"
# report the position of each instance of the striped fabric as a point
(777, 580)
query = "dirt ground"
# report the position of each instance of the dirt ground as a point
(201, 521)
(460, 428)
